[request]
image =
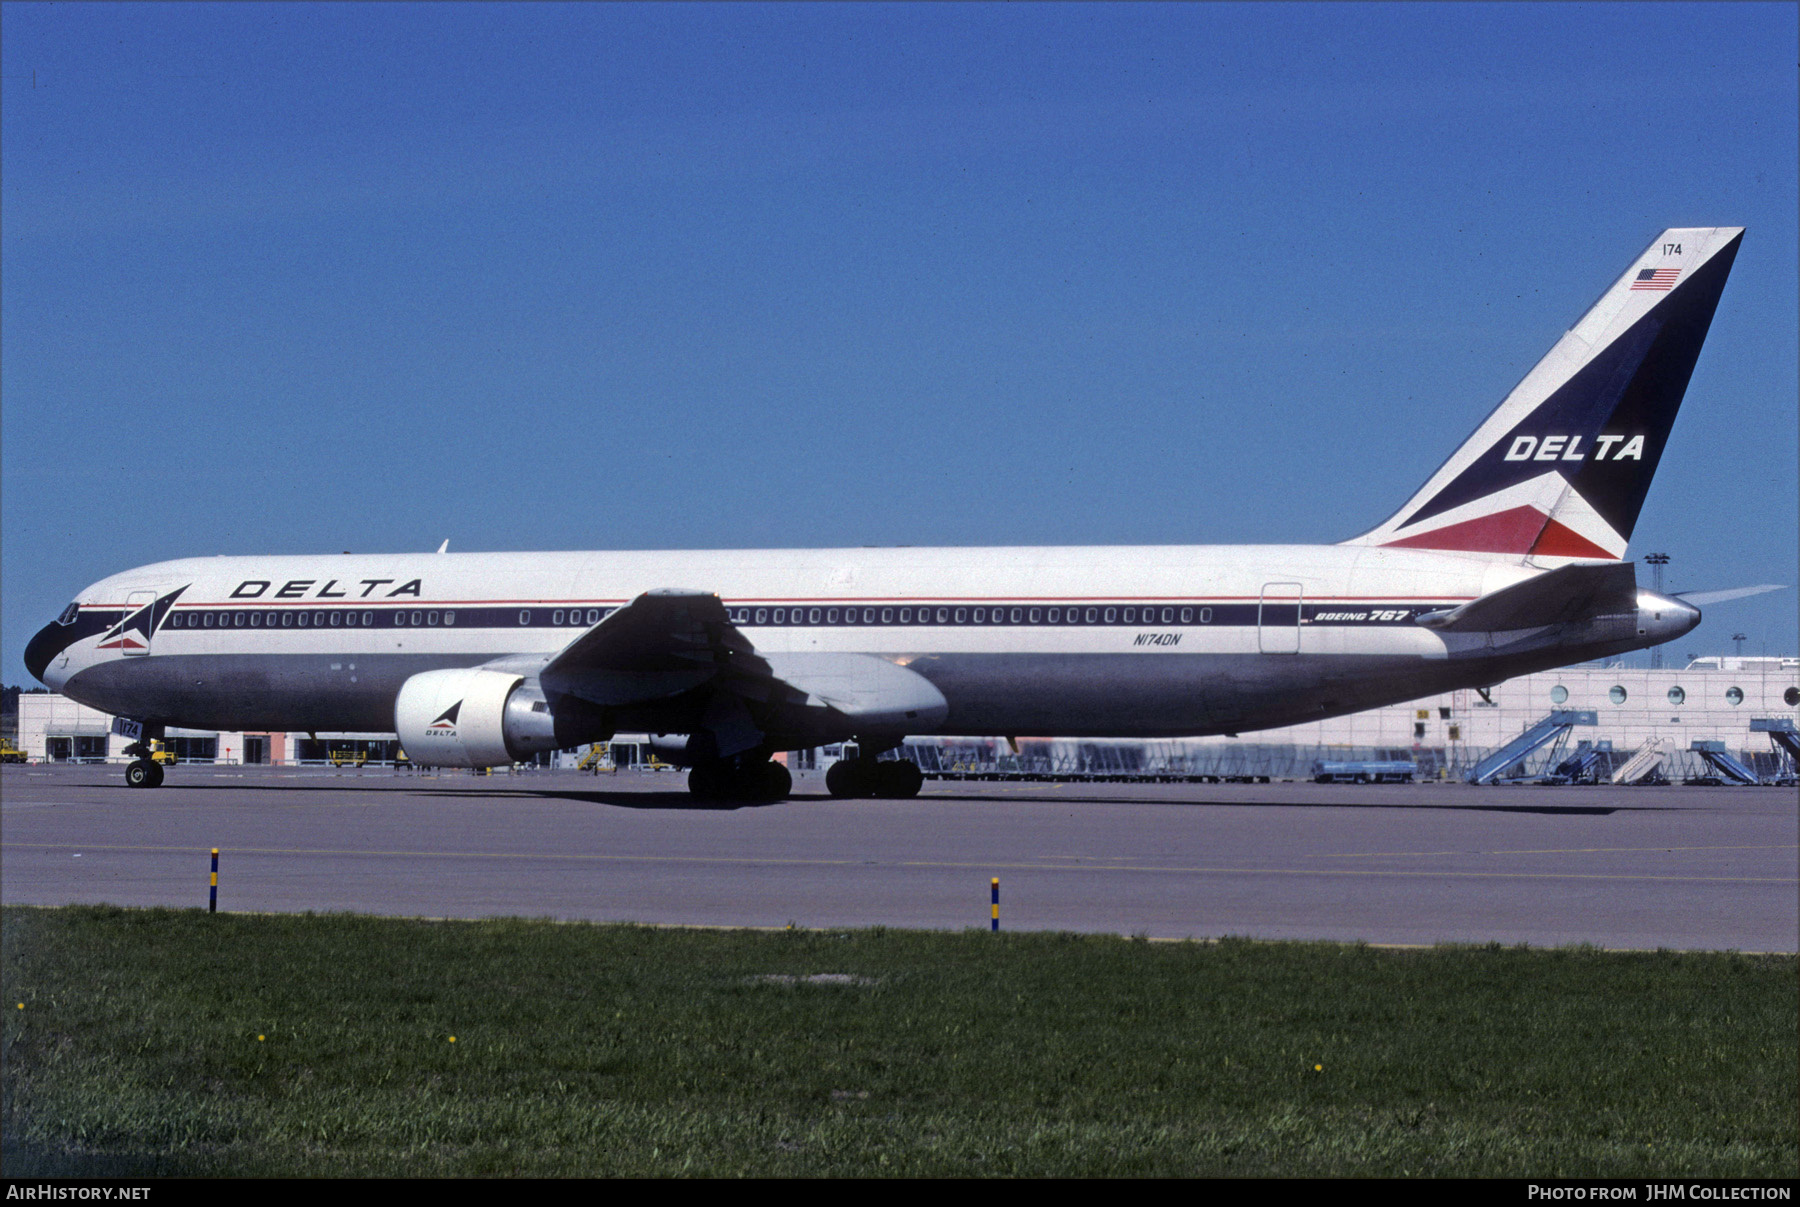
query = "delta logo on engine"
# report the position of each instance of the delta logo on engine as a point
(445, 725)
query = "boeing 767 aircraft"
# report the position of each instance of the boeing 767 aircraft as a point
(1507, 561)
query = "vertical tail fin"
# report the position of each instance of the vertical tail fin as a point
(1561, 467)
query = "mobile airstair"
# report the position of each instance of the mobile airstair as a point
(1783, 733)
(1781, 763)
(1721, 760)
(1586, 765)
(1644, 764)
(1507, 764)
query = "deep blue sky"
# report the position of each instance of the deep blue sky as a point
(309, 278)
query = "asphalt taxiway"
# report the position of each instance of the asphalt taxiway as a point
(1689, 868)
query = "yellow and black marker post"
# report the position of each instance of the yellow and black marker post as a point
(996, 888)
(212, 901)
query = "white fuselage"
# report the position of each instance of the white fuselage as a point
(1119, 641)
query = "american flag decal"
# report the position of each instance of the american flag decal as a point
(1656, 278)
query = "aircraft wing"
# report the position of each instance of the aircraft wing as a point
(661, 644)
(1571, 593)
(668, 642)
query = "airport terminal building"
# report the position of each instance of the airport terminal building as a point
(1741, 706)
(1744, 706)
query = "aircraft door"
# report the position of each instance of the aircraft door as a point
(136, 637)
(1278, 618)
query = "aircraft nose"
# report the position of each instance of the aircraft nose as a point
(42, 648)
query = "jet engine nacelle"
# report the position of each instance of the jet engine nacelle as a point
(682, 749)
(472, 718)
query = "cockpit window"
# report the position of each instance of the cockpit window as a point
(69, 614)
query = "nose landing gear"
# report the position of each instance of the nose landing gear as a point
(144, 771)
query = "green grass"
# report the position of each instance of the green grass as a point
(617, 1050)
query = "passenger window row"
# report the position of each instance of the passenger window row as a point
(591, 616)
(1020, 615)
(788, 616)
(785, 616)
(295, 618)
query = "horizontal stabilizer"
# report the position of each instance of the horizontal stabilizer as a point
(1702, 598)
(1572, 593)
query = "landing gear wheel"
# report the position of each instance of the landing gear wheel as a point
(775, 782)
(156, 775)
(142, 773)
(891, 779)
(755, 780)
(898, 779)
(848, 777)
(707, 781)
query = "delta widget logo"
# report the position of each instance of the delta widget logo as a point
(132, 634)
(445, 725)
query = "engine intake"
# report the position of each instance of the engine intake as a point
(472, 718)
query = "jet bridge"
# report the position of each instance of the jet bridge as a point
(1506, 765)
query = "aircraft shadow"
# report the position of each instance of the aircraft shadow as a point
(679, 799)
(1550, 810)
(682, 801)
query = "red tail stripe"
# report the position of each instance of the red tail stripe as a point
(1521, 530)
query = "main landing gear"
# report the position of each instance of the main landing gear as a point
(749, 779)
(865, 777)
